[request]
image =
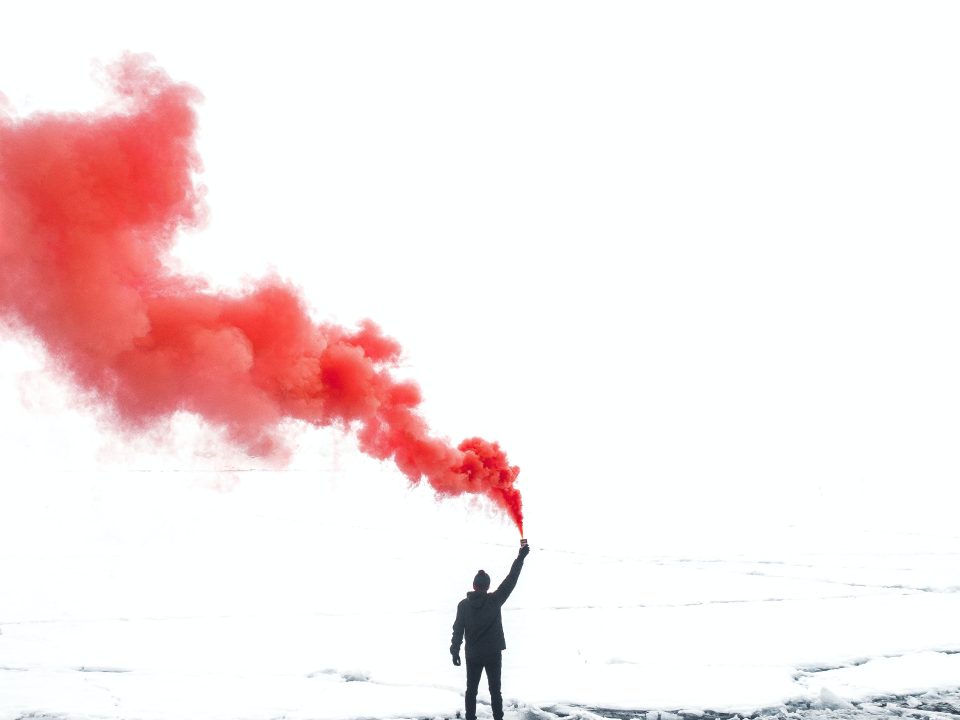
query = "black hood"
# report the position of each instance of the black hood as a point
(477, 598)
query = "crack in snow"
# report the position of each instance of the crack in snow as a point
(698, 603)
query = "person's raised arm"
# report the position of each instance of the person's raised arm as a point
(510, 581)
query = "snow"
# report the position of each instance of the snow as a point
(172, 600)
(902, 675)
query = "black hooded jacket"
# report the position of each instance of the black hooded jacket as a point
(478, 618)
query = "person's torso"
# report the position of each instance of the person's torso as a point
(483, 625)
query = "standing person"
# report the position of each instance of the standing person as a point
(478, 619)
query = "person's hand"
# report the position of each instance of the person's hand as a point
(524, 551)
(456, 660)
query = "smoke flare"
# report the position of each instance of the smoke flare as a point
(89, 205)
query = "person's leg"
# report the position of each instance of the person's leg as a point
(493, 665)
(474, 668)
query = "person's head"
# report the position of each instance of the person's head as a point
(481, 582)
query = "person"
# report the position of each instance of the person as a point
(478, 620)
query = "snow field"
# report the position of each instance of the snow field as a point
(151, 596)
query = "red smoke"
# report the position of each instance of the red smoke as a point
(89, 205)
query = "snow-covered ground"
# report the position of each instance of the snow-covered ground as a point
(156, 596)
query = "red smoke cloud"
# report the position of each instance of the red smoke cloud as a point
(89, 205)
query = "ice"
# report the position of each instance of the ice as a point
(829, 699)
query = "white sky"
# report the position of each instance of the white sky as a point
(678, 258)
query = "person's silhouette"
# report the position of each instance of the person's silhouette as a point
(478, 620)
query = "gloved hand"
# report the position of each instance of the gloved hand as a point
(524, 551)
(456, 660)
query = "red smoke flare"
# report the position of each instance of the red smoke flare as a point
(89, 205)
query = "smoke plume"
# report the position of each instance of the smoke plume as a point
(89, 206)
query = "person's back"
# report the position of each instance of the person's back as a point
(479, 622)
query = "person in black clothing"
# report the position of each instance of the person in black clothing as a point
(478, 620)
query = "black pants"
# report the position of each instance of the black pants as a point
(475, 666)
